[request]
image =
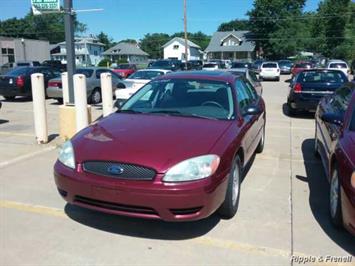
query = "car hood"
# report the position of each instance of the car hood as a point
(155, 141)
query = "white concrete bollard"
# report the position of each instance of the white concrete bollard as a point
(107, 95)
(39, 108)
(65, 88)
(80, 96)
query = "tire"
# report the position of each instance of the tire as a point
(260, 147)
(95, 97)
(278, 79)
(230, 204)
(9, 98)
(60, 100)
(335, 200)
(292, 111)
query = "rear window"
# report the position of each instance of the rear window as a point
(86, 72)
(269, 65)
(18, 71)
(303, 65)
(209, 65)
(338, 65)
(240, 65)
(322, 77)
(23, 64)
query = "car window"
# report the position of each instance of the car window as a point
(18, 71)
(243, 95)
(338, 65)
(251, 91)
(146, 74)
(341, 99)
(114, 75)
(46, 72)
(87, 72)
(100, 71)
(322, 77)
(269, 65)
(352, 122)
(184, 97)
(253, 76)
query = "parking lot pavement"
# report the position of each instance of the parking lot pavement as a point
(282, 212)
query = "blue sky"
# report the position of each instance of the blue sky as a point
(123, 19)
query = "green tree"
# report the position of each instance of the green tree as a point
(46, 27)
(276, 26)
(106, 40)
(152, 44)
(237, 24)
(133, 41)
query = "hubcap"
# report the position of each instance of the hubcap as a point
(334, 195)
(235, 185)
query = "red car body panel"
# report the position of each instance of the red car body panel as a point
(158, 142)
(124, 73)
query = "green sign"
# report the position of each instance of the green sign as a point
(45, 6)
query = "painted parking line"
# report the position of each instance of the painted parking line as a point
(202, 241)
(2, 133)
(26, 156)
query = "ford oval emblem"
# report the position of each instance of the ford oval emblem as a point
(115, 169)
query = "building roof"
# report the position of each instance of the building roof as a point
(85, 40)
(125, 48)
(218, 37)
(182, 42)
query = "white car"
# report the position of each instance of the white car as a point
(136, 81)
(269, 70)
(210, 66)
(339, 65)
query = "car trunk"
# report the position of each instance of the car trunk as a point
(313, 90)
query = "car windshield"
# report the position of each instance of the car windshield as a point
(123, 66)
(146, 74)
(240, 65)
(338, 65)
(285, 63)
(18, 71)
(86, 72)
(269, 65)
(183, 97)
(322, 77)
(161, 64)
(210, 65)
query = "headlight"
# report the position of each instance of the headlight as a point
(66, 155)
(353, 179)
(193, 169)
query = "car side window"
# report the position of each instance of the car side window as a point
(251, 91)
(243, 97)
(114, 76)
(100, 71)
(341, 99)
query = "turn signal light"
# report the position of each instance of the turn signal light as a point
(353, 180)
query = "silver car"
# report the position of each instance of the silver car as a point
(93, 84)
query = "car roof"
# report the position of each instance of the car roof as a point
(207, 75)
(322, 70)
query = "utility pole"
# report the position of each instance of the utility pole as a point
(185, 30)
(70, 45)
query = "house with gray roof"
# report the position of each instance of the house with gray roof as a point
(128, 52)
(232, 45)
(175, 49)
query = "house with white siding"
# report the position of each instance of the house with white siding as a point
(175, 49)
(88, 51)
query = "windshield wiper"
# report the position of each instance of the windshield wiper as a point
(129, 111)
(178, 113)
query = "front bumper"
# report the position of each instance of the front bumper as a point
(144, 199)
(300, 102)
(54, 92)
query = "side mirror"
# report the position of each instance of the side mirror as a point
(117, 104)
(252, 110)
(333, 118)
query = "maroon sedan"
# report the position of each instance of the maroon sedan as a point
(300, 66)
(174, 151)
(335, 142)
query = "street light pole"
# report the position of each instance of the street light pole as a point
(70, 45)
(185, 30)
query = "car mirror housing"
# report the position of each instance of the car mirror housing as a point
(117, 104)
(253, 110)
(333, 118)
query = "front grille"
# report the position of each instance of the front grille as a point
(185, 211)
(115, 206)
(127, 171)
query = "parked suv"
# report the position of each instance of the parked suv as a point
(269, 70)
(340, 65)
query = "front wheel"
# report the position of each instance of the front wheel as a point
(335, 200)
(230, 205)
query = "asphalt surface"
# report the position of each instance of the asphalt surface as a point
(282, 213)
